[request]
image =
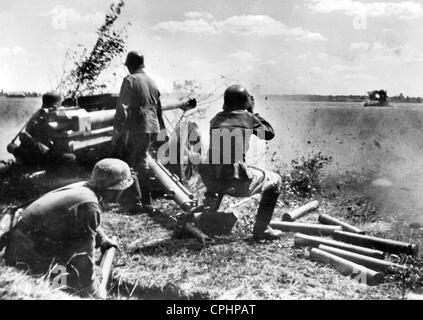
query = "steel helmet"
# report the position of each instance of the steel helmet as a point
(236, 97)
(52, 99)
(111, 174)
(134, 59)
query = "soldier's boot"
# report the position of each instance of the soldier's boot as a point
(146, 199)
(262, 230)
(138, 200)
(130, 198)
(147, 204)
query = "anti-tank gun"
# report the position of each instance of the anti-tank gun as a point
(80, 129)
(53, 143)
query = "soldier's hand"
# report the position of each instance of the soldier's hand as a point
(191, 104)
(107, 244)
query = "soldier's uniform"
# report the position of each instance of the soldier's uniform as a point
(225, 171)
(62, 228)
(36, 146)
(60, 231)
(138, 121)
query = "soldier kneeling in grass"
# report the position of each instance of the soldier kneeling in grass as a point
(62, 228)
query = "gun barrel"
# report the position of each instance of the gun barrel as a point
(174, 106)
(103, 116)
(386, 245)
(303, 240)
(306, 228)
(327, 219)
(348, 268)
(301, 211)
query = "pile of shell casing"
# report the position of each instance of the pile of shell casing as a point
(350, 251)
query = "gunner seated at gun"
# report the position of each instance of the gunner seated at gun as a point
(225, 170)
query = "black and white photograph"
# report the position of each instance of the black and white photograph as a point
(221, 153)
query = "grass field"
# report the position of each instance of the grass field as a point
(154, 265)
(16, 285)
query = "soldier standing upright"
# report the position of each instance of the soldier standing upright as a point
(138, 121)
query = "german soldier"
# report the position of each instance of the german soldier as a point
(138, 121)
(225, 172)
(62, 228)
(35, 144)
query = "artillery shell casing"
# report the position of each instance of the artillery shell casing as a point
(329, 220)
(306, 228)
(369, 262)
(348, 268)
(301, 211)
(385, 245)
(303, 240)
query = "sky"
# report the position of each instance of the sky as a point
(271, 46)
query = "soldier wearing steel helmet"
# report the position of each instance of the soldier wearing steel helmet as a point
(63, 227)
(138, 121)
(35, 143)
(225, 171)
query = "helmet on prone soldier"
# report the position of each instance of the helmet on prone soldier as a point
(111, 174)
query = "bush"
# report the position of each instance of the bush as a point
(304, 179)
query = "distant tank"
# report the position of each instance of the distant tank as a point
(377, 98)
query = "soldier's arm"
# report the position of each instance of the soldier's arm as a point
(262, 128)
(101, 239)
(160, 115)
(88, 222)
(87, 217)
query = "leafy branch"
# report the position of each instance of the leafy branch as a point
(88, 65)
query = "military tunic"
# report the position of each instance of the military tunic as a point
(62, 227)
(225, 170)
